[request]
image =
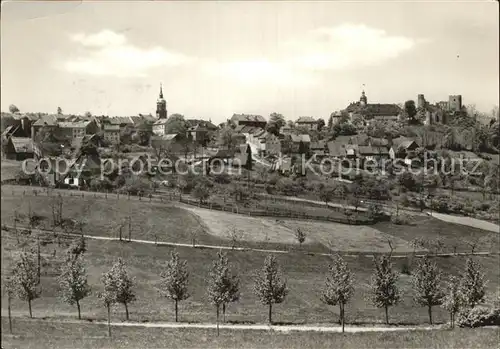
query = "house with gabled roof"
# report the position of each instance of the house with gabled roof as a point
(19, 148)
(298, 141)
(373, 111)
(308, 122)
(402, 147)
(111, 133)
(200, 130)
(249, 120)
(74, 129)
(45, 121)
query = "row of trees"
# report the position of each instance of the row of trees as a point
(270, 287)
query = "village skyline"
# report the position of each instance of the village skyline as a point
(305, 64)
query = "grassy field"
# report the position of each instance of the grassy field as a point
(305, 275)
(9, 169)
(451, 234)
(38, 334)
(343, 237)
(104, 217)
(175, 223)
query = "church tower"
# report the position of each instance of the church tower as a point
(161, 106)
(363, 100)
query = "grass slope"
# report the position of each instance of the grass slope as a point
(305, 275)
(451, 234)
(37, 334)
(103, 217)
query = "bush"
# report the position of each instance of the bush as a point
(222, 178)
(440, 204)
(288, 187)
(136, 185)
(456, 207)
(481, 206)
(401, 219)
(405, 267)
(478, 316)
(375, 212)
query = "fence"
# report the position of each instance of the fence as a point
(274, 213)
(164, 197)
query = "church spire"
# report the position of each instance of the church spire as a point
(161, 90)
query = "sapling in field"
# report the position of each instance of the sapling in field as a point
(339, 286)
(385, 292)
(73, 281)
(124, 285)
(108, 295)
(223, 287)
(452, 299)
(269, 286)
(472, 284)
(174, 281)
(25, 278)
(426, 282)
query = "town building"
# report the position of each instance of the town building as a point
(248, 120)
(200, 130)
(369, 112)
(111, 133)
(307, 122)
(19, 148)
(48, 122)
(161, 106)
(402, 148)
(71, 130)
(299, 143)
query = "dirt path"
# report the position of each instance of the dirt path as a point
(217, 247)
(257, 327)
(468, 221)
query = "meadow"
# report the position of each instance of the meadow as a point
(39, 334)
(305, 275)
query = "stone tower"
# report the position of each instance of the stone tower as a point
(455, 103)
(420, 101)
(161, 106)
(363, 100)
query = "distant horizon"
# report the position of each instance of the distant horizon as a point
(216, 59)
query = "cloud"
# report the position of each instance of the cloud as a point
(344, 47)
(109, 53)
(101, 39)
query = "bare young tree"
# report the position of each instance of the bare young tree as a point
(300, 235)
(108, 295)
(417, 243)
(235, 236)
(56, 204)
(389, 242)
(10, 290)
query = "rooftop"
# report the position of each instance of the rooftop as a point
(248, 117)
(306, 120)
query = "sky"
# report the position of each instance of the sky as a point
(219, 58)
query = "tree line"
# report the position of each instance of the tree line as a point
(270, 286)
